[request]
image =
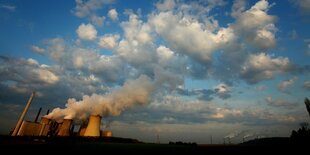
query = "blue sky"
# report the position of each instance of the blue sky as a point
(183, 70)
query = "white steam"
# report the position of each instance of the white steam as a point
(134, 92)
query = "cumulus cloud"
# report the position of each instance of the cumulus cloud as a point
(280, 103)
(113, 14)
(286, 83)
(175, 43)
(98, 21)
(85, 8)
(165, 5)
(238, 7)
(56, 48)
(164, 53)
(87, 32)
(256, 26)
(137, 47)
(261, 66)
(108, 41)
(37, 49)
(223, 90)
(307, 85)
(188, 36)
(203, 111)
(26, 71)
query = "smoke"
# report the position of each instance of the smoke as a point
(134, 92)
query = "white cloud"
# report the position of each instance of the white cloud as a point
(45, 75)
(27, 71)
(108, 41)
(261, 66)
(136, 30)
(286, 83)
(221, 113)
(280, 103)
(56, 48)
(222, 90)
(87, 32)
(9, 7)
(85, 8)
(164, 53)
(78, 62)
(113, 14)
(238, 7)
(165, 5)
(37, 49)
(32, 61)
(98, 21)
(188, 36)
(137, 46)
(256, 26)
(307, 85)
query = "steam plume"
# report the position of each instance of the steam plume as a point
(134, 92)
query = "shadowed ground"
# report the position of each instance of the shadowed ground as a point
(114, 145)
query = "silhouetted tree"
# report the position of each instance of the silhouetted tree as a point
(307, 103)
(304, 125)
(302, 135)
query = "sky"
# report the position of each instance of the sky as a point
(177, 70)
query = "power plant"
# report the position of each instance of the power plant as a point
(51, 128)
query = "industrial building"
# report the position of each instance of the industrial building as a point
(51, 128)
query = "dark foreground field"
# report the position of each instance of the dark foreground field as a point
(103, 146)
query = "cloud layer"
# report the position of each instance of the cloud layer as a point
(178, 60)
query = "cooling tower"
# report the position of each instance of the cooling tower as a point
(106, 134)
(45, 126)
(65, 128)
(44, 120)
(93, 127)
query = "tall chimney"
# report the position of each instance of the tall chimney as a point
(93, 127)
(23, 115)
(38, 114)
(65, 128)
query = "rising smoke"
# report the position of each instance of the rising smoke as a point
(134, 92)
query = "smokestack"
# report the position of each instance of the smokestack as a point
(36, 120)
(65, 128)
(93, 127)
(23, 115)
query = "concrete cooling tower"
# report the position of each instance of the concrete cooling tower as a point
(93, 127)
(65, 128)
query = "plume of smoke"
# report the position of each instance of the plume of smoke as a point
(245, 137)
(133, 92)
(233, 135)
